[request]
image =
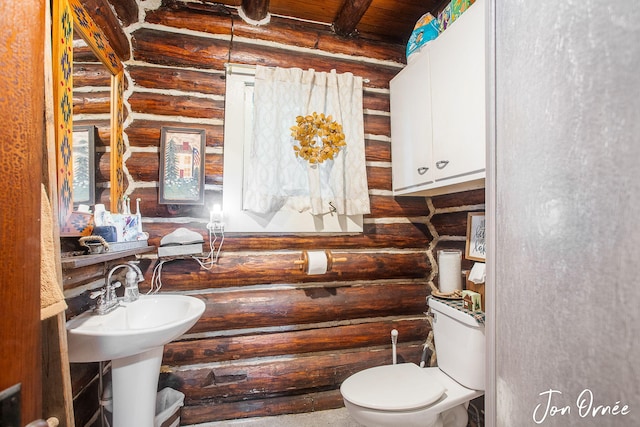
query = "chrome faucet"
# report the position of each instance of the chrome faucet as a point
(108, 301)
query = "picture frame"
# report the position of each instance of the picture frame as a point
(475, 249)
(182, 166)
(83, 160)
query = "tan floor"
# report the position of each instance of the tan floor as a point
(334, 418)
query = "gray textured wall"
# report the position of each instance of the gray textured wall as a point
(567, 199)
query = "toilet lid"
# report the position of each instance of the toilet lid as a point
(392, 387)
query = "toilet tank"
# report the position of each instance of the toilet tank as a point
(460, 344)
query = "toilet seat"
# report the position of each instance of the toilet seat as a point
(399, 387)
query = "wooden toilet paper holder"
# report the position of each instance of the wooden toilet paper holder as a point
(303, 262)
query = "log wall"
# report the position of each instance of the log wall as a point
(272, 340)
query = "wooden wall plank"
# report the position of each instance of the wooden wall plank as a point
(172, 105)
(387, 206)
(215, 20)
(377, 150)
(235, 269)
(146, 133)
(92, 103)
(376, 101)
(294, 404)
(316, 339)
(153, 46)
(451, 223)
(379, 178)
(167, 78)
(246, 53)
(273, 377)
(377, 124)
(96, 75)
(145, 167)
(269, 308)
(405, 235)
(473, 197)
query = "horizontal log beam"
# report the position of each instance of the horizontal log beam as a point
(377, 151)
(245, 270)
(146, 133)
(379, 178)
(212, 19)
(317, 339)
(294, 404)
(233, 382)
(146, 167)
(155, 47)
(473, 197)
(404, 235)
(179, 79)
(97, 102)
(377, 124)
(293, 375)
(380, 101)
(95, 75)
(378, 75)
(398, 207)
(450, 223)
(280, 307)
(172, 105)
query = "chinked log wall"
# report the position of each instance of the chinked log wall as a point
(272, 340)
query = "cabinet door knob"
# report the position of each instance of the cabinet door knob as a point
(442, 163)
(422, 170)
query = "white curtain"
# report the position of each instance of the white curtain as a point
(274, 177)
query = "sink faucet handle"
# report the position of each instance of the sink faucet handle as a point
(96, 294)
(116, 284)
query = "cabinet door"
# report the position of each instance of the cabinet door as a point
(458, 97)
(411, 125)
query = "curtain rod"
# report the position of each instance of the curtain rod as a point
(250, 69)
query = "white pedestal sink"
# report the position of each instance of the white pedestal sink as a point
(132, 337)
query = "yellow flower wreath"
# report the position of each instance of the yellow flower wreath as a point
(307, 131)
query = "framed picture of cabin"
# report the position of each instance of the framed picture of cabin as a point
(475, 247)
(181, 166)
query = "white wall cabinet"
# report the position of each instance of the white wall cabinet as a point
(438, 112)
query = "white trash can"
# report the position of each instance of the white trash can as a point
(168, 406)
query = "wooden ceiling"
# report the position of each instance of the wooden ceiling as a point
(385, 20)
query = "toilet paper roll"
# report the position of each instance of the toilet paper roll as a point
(316, 262)
(449, 266)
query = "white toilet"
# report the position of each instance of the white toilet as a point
(407, 395)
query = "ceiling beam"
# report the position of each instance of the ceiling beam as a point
(349, 16)
(106, 20)
(255, 10)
